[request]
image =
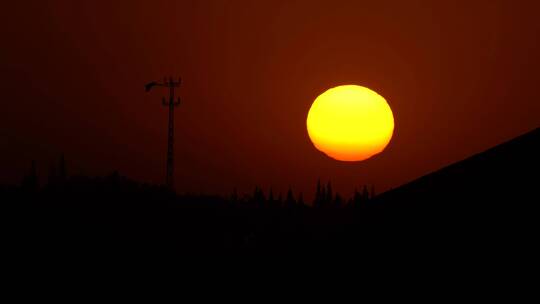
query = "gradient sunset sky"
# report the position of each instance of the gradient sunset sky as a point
(460, 76)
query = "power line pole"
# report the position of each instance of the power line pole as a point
(171, 84)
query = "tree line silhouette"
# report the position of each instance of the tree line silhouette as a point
(325, 197)
(114, 213)
(486, 201)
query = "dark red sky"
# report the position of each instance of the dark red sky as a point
(460, 77)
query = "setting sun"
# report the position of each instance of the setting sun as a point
(350, 123)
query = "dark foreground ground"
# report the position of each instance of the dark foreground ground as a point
(484, 207)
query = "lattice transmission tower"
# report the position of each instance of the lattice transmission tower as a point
(171, 104)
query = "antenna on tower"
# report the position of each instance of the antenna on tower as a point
(171, 104)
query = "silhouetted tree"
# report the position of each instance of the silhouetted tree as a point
(53, 176)
(30, 180)
(271, 196)
(300, 199)
(258, 196)
(329, 193)
(338, 201)
(62, 173)
(365, 193)
(372, 195)
(290, 201)
(357, 198)
(234, 195)
(323, 197)
(318, 195)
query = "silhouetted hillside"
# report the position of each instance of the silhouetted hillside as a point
(489, 200)
(506, 174)
(482, 204)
